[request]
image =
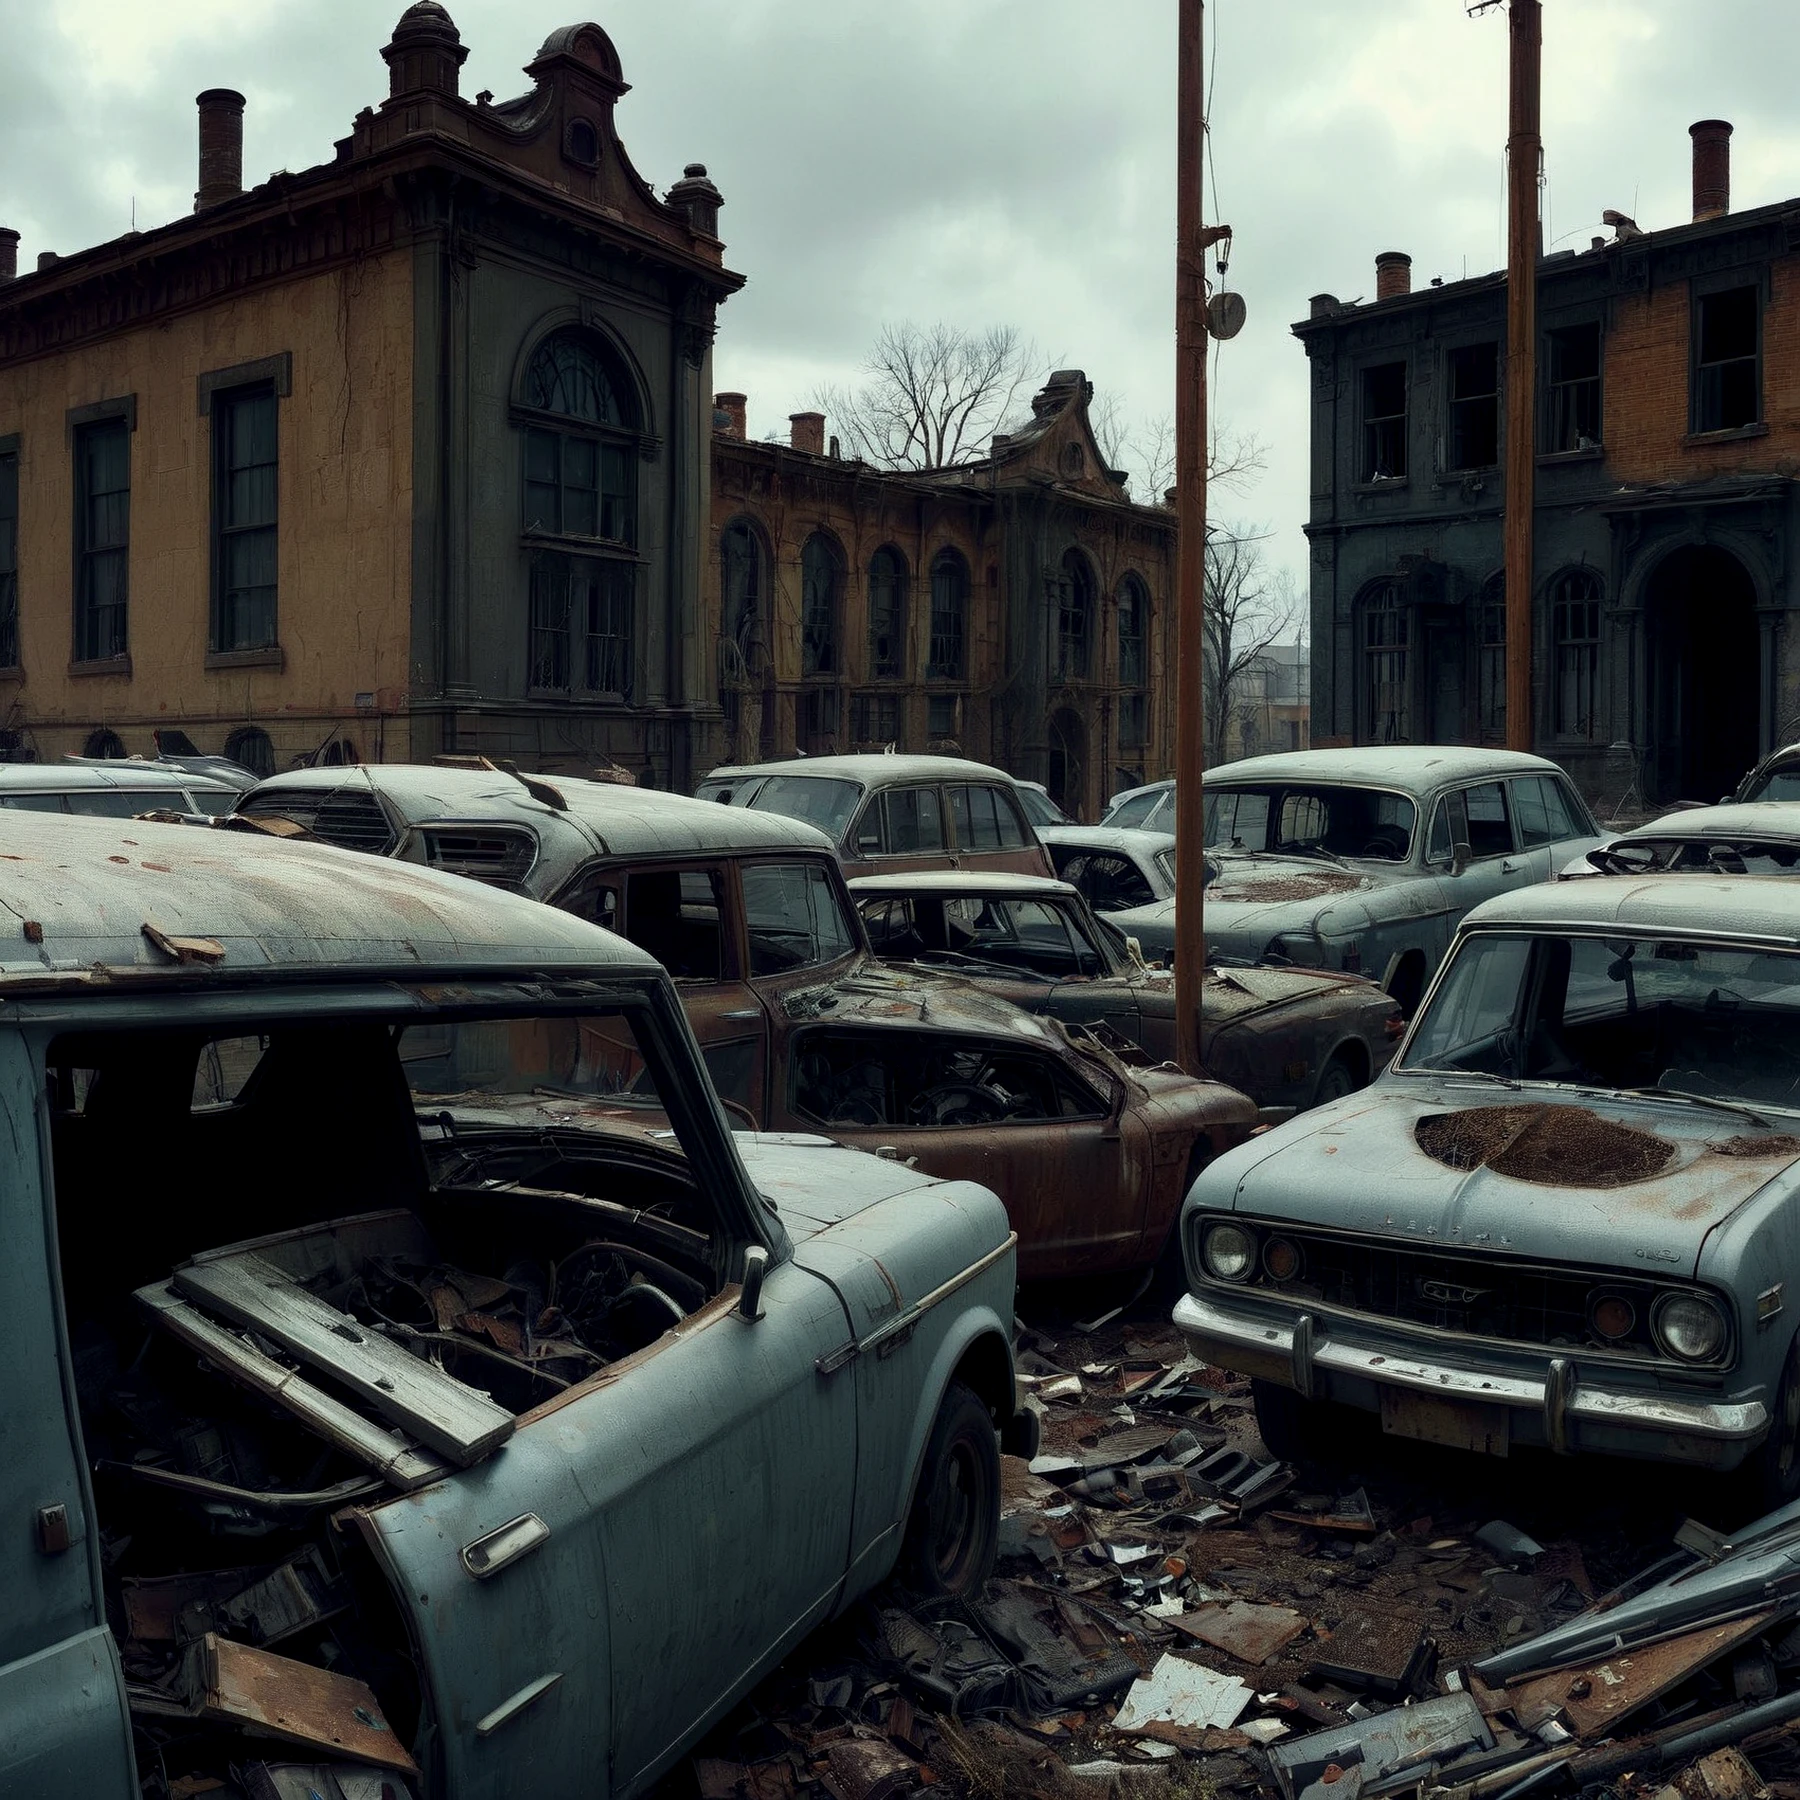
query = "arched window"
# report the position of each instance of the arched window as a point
(1491, 675)
(947, 659)
(1134, 662)
(104, 743)
(249, 748)
(1387, 715)
(1575, 633)
(887, 614)
(821, 586)
(583, 442)
(1074, 617)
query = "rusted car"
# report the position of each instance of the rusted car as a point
(894, 812)
(802, 1030)
(1568, 1213)
(413, 1388)
(1116, 868)
(1757, 837)
(1288, 1038)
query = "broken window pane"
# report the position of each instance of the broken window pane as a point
(1384, 422)
(1075, 614)
(793, 917)
(887, 614)
(1387, 712)
(874, 718)
(949, 617)
(1474, 406)
(1727, 381)
(677, 916)
(1574, 388)
(1575, 627)
(818, 721)
(820, 584)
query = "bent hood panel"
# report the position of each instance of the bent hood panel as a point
(1357, 1166)
(816, 1183)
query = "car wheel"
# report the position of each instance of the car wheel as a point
(1296, 1430)
(955, 1523)
(1338, 1079)
(1773, 1473)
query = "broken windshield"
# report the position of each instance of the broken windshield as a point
(1693, 1020)
(1300, 819)
(817, 800)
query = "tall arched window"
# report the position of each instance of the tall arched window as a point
(741, 597)
(947, 659)
(821, 587)
(583, 441)
(1575, 633)
(887, 614)
(1134, 663)
(1387, 713)
(1074, 617)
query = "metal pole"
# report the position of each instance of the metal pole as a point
(1524, 151)
(1190, 550)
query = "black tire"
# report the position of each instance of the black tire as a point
(1338, 1078)
(954, 1527)
(1297, 1430)
(1770, 1476)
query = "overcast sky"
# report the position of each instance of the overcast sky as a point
(974, 161)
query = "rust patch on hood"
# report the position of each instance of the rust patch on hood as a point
(1556, 1146)
(1778, 1143)
(1262, 889)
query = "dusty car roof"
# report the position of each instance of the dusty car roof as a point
(628, 820)
(1416, 766)
(1724, 906)
(874, 766)
(90, 887)
(1127, 839)
(1746, 818)
(954, 883)
(68, 778)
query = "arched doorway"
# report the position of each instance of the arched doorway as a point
(1068, 761)
(1705, 673)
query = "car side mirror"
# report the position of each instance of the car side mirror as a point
(1459, 856)
(1111, 1128)
(1135, 951)
(756, 1266)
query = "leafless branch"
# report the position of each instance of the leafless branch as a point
(1249, 609)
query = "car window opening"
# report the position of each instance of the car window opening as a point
(1295, 820)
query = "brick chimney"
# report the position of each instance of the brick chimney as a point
(733, 409)
(221, 146)
(9, 253)
(806, 431)
(1712, 168)
(1393, 274)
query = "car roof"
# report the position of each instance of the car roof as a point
(871, 768)
(1415, 766)
(629, 821)
(70, 778)
(96, 888)
(995, 884)
(1126, 839)
(1739, 818)
(1725, 905)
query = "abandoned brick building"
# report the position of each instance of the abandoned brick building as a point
(403, 453)
(1668, 438)
(1015, 608)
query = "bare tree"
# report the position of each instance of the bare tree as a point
(1249, 609)
(932, 394)
(1145, 450)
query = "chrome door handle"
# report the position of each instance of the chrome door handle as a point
(743, 1012)
(1509, 867)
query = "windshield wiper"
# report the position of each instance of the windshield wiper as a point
(1317, 850)
(1718, 1105)
(960, 959)
(1456, 1074)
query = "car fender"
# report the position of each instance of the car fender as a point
(1750, 1258)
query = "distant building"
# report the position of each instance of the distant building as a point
(1270, 706)
(1016, 608)
(1667, 423)
(404, 453)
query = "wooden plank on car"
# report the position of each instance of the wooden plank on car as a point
(393, 1457)
(436, 1408)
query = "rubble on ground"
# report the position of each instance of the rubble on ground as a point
(1175, 1614)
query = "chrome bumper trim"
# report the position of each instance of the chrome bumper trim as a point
(1563, 1400)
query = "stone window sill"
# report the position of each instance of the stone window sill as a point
(106, 665)
(1386, 484)
(269, 656)
(1551, 459)
(1736, 434)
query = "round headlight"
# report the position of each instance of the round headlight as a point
(1612, 1317)
(1689, 1327)
(1281, 1259)
(1229, 1252)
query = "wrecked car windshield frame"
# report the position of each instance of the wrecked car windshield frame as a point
(1378, 816)
(1697, 1016)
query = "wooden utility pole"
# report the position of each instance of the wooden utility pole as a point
(1524, 152)
(1190, 554)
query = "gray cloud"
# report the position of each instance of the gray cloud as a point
(973, 160)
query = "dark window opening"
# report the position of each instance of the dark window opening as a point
(1074, 616)
(1574, 389)
(1384, 422)
(874, 718)
(581, 481)
(1134, 607)
(1474, 406)
(821, 583)
(244, 513)
(1575, 629)
(887, 615)
(249, 747)
(104, 743)
(9, 562)
(1727, 381)
(940, 721)
(676, 915)
(743, 649)
(581, 624)
(102, 537)
(949, 617)
(1134, 727)
(1491, 674)
(818, 720)
(582, 144)
(1388, 716)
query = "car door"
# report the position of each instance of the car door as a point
(991, 832)
(901, 828)
(1496, 863)
(64, 1729)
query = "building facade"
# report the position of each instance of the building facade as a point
(1270, 705)
(1667, 424)
(1015, 609)
(405, 453)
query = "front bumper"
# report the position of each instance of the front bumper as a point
(1555, 1405)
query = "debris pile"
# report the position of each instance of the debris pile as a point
(1174, 1614)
